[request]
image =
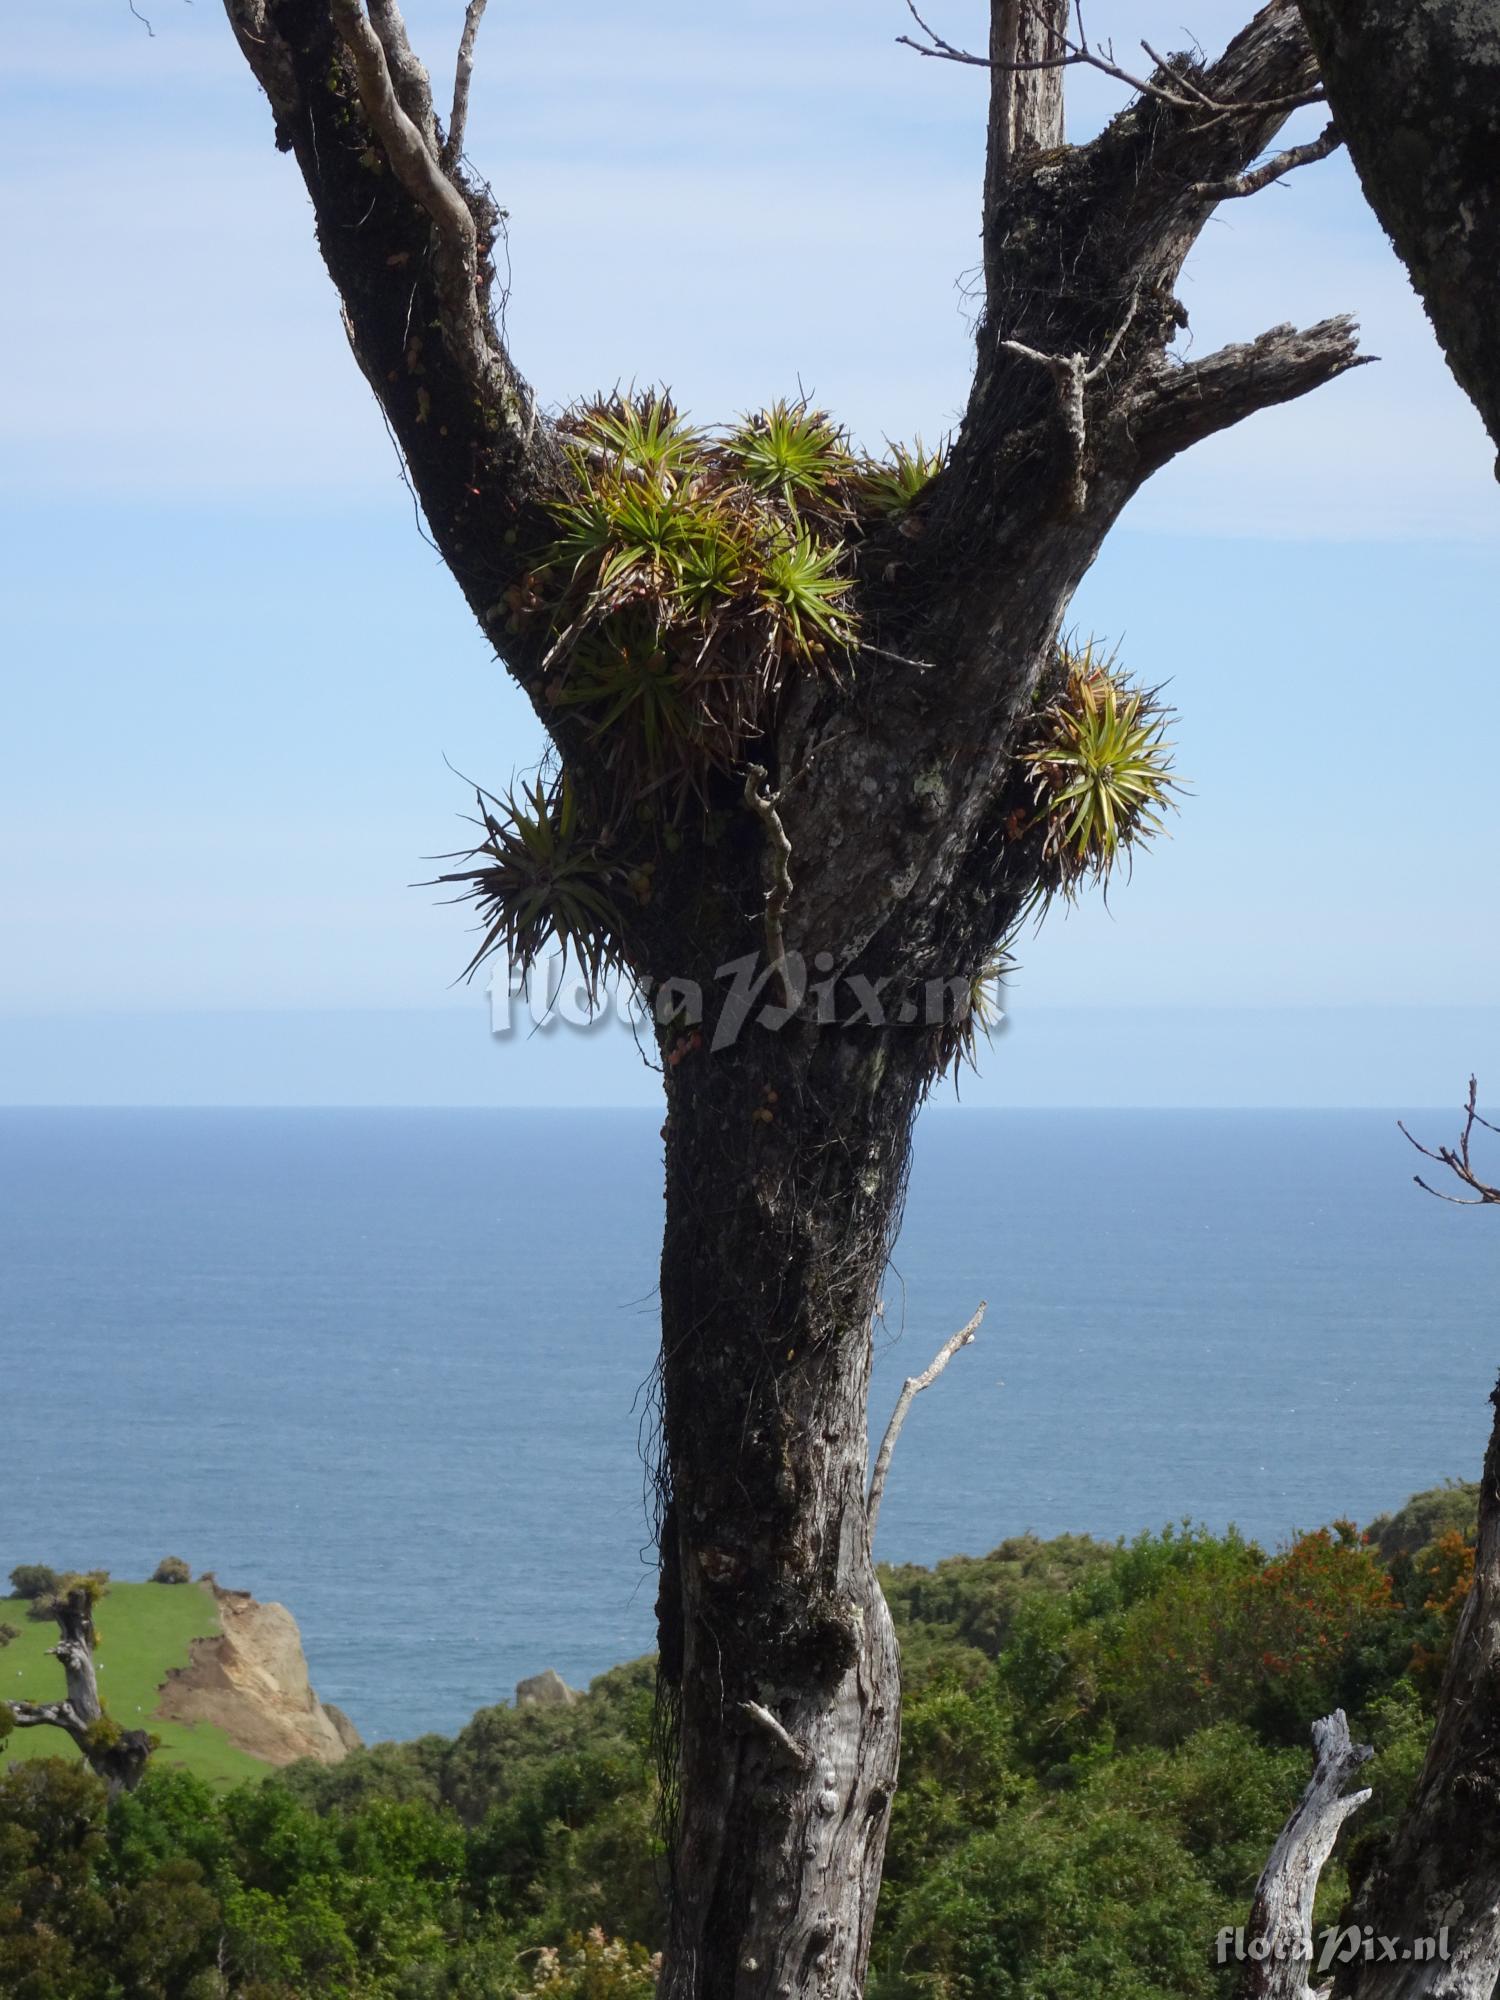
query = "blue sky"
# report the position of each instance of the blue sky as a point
(235, 670)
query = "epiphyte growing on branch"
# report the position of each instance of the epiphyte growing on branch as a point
(979, 1013)
(1096, 767)
(694, 572)
(895, 484)
(540, 880)
(1101, 772)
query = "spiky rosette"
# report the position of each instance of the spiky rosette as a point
(792, 453)
(1101, 772)
(538, 880)
(893, 484)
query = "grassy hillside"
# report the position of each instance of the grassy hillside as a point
(144, 1628)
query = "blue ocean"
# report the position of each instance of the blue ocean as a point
(388, 1367)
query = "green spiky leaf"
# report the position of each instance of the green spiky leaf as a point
(647, 434)
(802, 584)
(895, 483)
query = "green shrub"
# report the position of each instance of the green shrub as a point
(1425, 1517)
(172, 1569)
(33, 1580)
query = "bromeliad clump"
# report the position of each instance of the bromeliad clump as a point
(692, 575)
(695, 572)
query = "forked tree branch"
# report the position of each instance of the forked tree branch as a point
(412, 155)
(1456, 1158)
(911, 1388)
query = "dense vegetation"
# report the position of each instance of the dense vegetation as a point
(1100, 1743)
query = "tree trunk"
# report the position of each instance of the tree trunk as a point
(1443, 1868)
(1415, 88)
(886, 782)
(786, 1158)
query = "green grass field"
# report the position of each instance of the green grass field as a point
(144, 1628)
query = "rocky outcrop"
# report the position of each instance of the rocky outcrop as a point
(547, 1689)
(250, 1679)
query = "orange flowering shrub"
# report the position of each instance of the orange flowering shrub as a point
(1440, 1578)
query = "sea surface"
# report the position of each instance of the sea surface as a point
(388, 1366)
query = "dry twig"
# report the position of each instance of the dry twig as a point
(463, 76)
(911, 1388)
(1456, 1158)
(779, 855)
(799, 1753)
(1073, 375)
(1328, 141)
(1180, 91)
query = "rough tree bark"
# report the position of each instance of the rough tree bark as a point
(118, 1756)
(1415, 87)
(894, 788)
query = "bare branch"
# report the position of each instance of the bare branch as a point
(1456, 1158)
(1281, 1914)
(1328, 141)
(779, 854)
(463, 76)
(911, 1388)
(47, 1715)
(1178, 405)
(1167, 85)
(938, 47)
(799, 1753)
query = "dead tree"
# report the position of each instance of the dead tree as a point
(1278, 1942)
(817, 750)
(1415, 86)
(118, 1756)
